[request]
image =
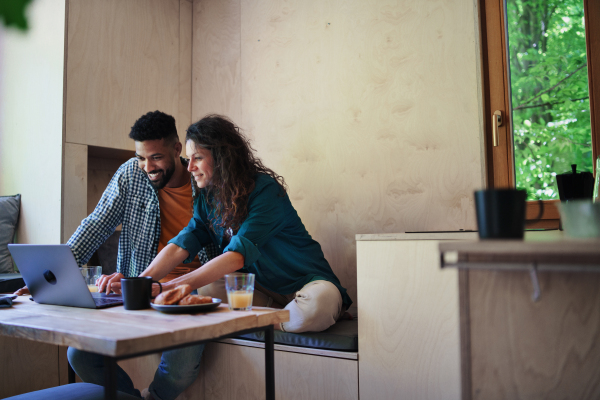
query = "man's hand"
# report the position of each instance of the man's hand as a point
(23, 291)
(106, 283)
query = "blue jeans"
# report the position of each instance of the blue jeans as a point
(177, 370)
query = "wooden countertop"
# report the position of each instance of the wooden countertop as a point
(456, 235)
(546, 250)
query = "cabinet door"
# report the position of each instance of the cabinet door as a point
(237, 372)
(124, 59)
(26, 366)
(408, 325)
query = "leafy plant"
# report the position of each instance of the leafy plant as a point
(12, 13)
(549, 92)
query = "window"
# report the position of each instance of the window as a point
(535, 56)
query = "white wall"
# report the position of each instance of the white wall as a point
(31, 126)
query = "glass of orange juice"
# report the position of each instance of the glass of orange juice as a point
(91, 275)
(240, 290)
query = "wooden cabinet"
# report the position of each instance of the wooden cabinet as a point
(124, 59)
(523, 343)
(408, 327)
(23, 359)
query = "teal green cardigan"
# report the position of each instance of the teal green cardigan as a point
(273, 240)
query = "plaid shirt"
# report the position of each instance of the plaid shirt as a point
(130, 200)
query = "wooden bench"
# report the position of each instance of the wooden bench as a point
(234, 368)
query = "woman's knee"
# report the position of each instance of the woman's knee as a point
(315, 308)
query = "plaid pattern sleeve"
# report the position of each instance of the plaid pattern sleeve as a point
(207, 253)
(131, 201)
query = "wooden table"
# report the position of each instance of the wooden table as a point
(529, 316)
(119, 334)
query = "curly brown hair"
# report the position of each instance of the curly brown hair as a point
(234, 170)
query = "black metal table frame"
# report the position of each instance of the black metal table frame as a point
(110, 363)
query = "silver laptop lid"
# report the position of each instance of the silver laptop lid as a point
(52, 274)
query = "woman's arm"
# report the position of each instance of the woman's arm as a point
(208, 273)
(165, 261)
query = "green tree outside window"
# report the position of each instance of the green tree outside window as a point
(549, 92)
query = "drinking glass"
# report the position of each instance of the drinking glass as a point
(240, 290)
(91, 274)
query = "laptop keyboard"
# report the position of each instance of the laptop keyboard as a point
(101, 301)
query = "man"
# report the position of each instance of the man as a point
(151, 196)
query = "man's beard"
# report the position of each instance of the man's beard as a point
(165, 177)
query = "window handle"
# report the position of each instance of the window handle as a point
(496, 123)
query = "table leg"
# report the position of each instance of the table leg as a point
(71, 373)
(110, 378)
(270, 362)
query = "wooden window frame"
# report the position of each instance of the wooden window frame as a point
(496, 94)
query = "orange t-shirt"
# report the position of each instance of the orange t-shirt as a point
(175, 213)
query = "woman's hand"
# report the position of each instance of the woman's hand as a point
(165, 261)
(158, 289)
(23, 291)
(110, 282)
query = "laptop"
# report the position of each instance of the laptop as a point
(53, 277)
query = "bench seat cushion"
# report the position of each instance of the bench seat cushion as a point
(9, 216)
(343, 336)
(73, 391)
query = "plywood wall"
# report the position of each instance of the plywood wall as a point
(75, 188)
(369, 109)
(125, 58)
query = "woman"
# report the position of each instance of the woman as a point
(243, 208)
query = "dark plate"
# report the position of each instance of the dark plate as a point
(10, 296)
(191, 309)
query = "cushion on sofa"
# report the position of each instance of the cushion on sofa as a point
(72, 391)
(342, 336)
(9, 215)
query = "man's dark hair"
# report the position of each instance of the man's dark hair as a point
(155, 125)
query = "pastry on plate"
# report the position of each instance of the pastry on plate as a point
(173, 296)
(195, 299)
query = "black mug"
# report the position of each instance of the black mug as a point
(501, 213)
(137, 292)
